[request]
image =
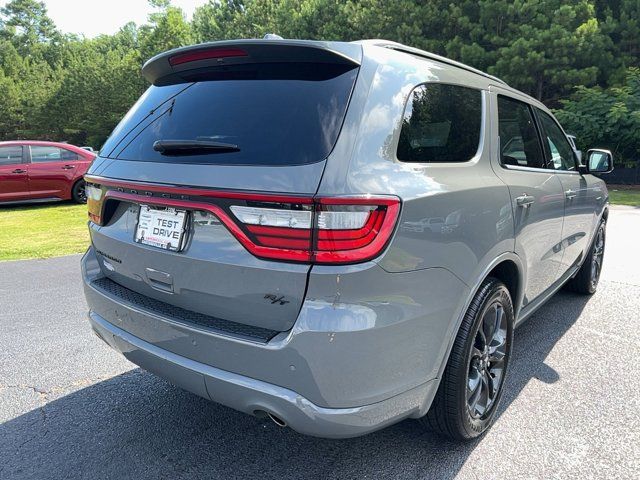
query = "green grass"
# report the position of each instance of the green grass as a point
(624, 196)
(42, 231)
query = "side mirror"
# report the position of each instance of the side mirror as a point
(599, 161)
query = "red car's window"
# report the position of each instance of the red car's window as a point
(40, 154)
(10, 155)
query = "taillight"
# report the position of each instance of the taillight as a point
(332, 230)
(95, 196)
(321, 230)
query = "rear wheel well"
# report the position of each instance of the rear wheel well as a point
(507, 273)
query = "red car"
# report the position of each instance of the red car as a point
(34, 171)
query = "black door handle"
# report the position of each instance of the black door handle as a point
(68, 167)
(19, 170)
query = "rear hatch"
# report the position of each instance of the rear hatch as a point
(228, 131)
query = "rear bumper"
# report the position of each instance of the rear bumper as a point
(356, 360)
(254, 396)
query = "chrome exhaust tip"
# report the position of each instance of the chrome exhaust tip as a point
(277, 420)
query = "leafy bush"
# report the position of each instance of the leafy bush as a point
(607, 118)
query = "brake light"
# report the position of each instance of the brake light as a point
(321, 230)
(330, 231)
(94, 202)
(206, 54)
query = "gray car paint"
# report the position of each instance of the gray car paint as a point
(365, 334)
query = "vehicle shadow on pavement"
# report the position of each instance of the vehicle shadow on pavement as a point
(138, 426)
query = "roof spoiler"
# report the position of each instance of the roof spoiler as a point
(166, 67)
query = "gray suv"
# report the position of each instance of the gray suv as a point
(337, 236)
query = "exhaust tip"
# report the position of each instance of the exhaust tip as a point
(277, 420)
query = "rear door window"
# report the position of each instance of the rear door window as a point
(441, 123)
(10, 155)
(519, 140)
(276, 114)
(43, 154)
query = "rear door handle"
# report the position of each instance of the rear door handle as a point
(19, 170)
(525, 200)
(68, 167)
(570, 194)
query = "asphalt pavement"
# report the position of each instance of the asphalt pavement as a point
(72, 408)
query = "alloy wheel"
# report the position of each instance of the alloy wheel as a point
(487, 361)
(596, 257)
(80, 193)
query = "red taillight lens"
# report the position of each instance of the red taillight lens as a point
(331, 231)
(206, 54)
(360, 243)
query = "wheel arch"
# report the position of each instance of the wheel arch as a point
(507, 268)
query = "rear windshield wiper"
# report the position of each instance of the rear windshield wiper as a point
(192, 147)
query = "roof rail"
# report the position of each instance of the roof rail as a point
(422, 53)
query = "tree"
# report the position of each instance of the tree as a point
(167, 29)
(65, 87)
(608, 118)
(27, 24)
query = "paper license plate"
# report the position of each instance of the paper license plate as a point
(161, 227)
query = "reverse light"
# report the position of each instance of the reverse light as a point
(94, 202)
(273, 217)
(343, 220)
(93, 192)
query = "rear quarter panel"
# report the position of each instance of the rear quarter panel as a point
(474, 203)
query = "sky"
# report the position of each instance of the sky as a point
(94, 17)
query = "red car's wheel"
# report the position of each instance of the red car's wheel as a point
(78, 193)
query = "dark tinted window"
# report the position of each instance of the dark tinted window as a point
(41, 154)
(519, 141)
(441, 124)
(10, 155)
(559, 153)
(276, 114)
(148, 105)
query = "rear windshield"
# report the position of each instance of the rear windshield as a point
(276, 114)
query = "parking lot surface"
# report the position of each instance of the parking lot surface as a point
(72, 408)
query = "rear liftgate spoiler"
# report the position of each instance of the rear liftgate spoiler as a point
(183, 64)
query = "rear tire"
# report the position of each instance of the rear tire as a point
(467, 399)
(78, 193)
(587, 278)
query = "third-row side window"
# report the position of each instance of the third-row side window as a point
(441, 124)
